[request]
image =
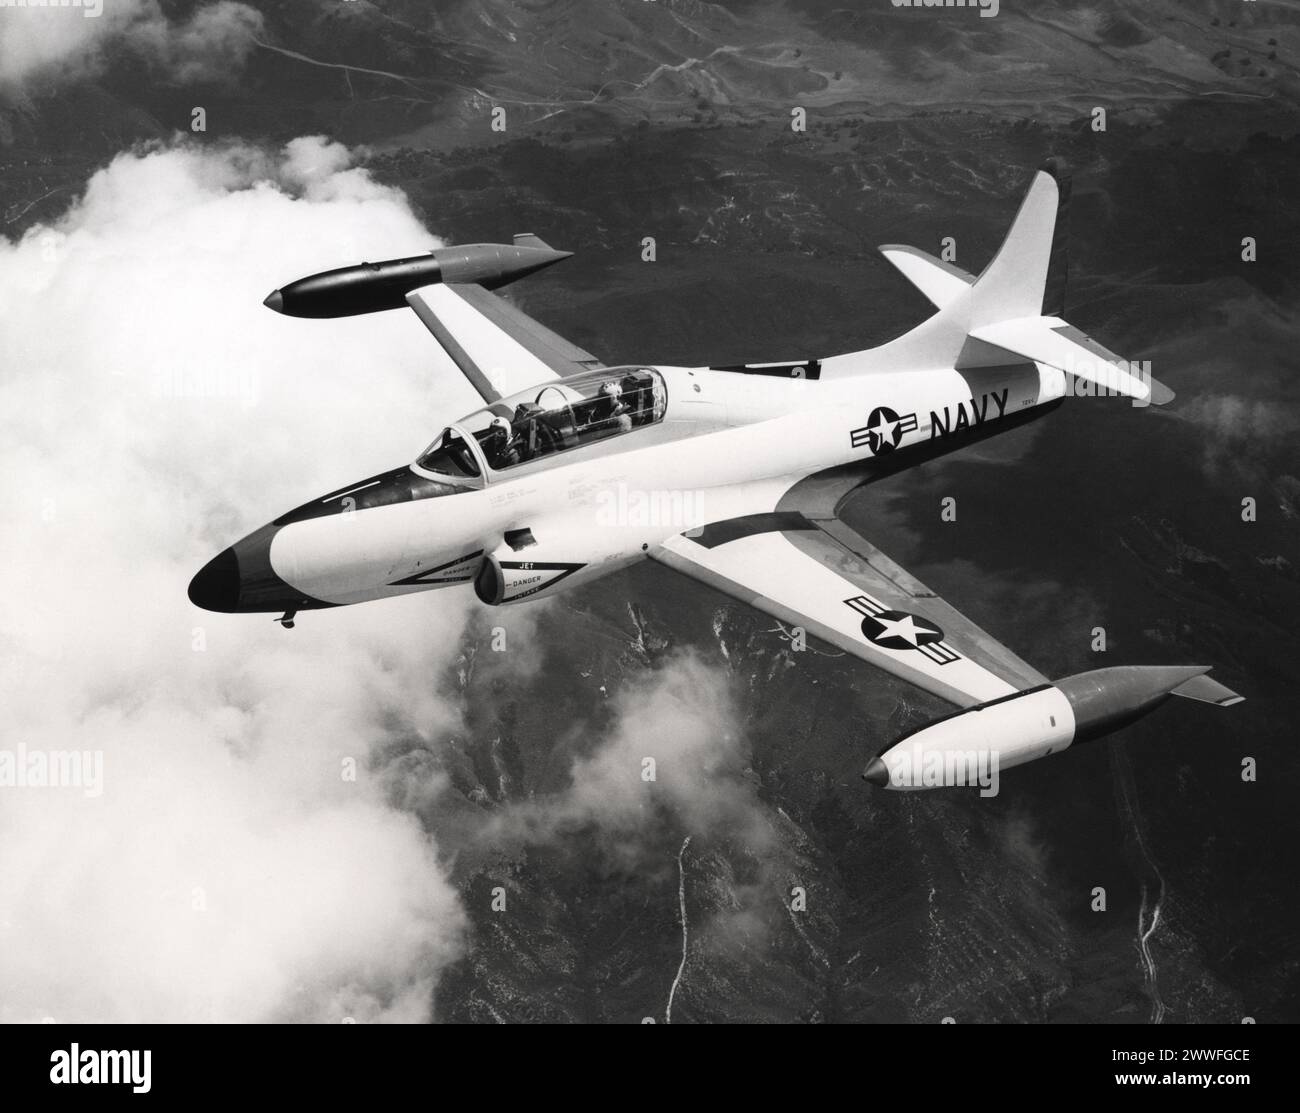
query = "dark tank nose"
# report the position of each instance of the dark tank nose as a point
(242, 580)
(216, 586)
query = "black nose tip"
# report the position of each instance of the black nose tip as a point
(216, 587)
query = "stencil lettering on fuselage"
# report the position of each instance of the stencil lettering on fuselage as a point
(458, 571)
(523, 578)
(968, 415)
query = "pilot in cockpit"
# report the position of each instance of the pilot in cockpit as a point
(638, 397)
(527, 431)
(500, 445)
(611, 412)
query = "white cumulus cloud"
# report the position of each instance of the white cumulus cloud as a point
(676, 747)
(54, 41)
(151, 412)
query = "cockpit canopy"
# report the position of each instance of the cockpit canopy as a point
(547, 419)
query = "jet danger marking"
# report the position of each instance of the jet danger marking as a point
(968, 415)
(456, 571)
(900, 630)
(883, 431)
(533, 576)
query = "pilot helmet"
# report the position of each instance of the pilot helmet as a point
(499, 425)
(611, 390)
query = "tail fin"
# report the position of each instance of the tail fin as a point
(1026, 277)
(1015, 284)
(1012, 311)
(1058, 263)
(1017, 302)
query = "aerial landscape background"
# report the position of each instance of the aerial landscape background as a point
(513, 777)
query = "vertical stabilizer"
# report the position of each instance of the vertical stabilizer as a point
(1028, 272)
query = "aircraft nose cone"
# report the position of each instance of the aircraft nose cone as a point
(274, 300)
(216, 587)
(876, 773)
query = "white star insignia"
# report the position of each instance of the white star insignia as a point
(905, 628)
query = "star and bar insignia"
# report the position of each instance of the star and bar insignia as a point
(891, 629)
(883, 431)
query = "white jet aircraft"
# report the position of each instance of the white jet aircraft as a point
(732, 476)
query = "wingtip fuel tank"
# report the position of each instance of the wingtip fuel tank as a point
(373, 287)
(973, 745)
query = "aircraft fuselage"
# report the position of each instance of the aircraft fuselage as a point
(729, 444)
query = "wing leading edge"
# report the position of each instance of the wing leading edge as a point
(499, 348)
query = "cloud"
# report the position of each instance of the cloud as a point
(151, 411)
(1232, 417)
(1236, 383)
(1240, 433)
(682, 718)
(75, 40)
(211, 46)
(684, 715)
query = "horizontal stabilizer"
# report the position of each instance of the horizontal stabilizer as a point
(1052, 341)
(941, 282)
